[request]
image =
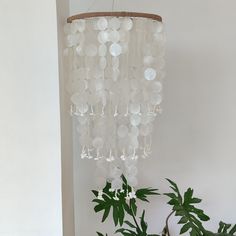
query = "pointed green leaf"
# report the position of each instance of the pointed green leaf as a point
(121, 214)
(233, 230)
(99, 234)
(195, 200)
(143, 223)
(99, 207)
(183, 220)
(185, 228)
(126, 232)
(115, 215)
(188, 196)
(133, 206)
(106, 213)
(130, 224)
(95, 193)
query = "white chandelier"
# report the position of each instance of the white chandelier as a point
(116, 67)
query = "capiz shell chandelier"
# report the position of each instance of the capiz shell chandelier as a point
(115, 72)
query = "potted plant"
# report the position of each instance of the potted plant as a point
(123, 203)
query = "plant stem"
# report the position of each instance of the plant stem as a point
(167, 222)
(133, 216)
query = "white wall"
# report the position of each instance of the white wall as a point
(66, 129)
(30, 165)
(195, 137)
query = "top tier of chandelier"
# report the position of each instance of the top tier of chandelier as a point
(116, 67)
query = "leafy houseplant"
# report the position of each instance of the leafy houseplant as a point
(124, 203)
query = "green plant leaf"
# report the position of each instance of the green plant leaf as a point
(226, 228)
(233, 230)
(143, 194)
(126, 232)
(130, 224)
(133, 206)
(117, 201)
(110, 202)
(143, 223)
(183, 220)
(115, 215)
(95, 193)
(121, 214)
(106, 213)
(185, 228)
(184, 206)
(100, 234)
(99, 207)
(127, 208)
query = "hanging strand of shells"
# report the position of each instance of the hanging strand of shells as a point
(116, 68)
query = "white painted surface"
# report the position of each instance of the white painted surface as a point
(194, 140)
(66, 130)
(30, 164)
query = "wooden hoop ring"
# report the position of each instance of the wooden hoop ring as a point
(115, 14)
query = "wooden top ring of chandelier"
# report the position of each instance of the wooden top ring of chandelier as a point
(115, 14)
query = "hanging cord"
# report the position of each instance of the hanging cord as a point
(91, 5)
(113, 5)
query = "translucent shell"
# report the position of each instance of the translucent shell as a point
(103, 37)
(148, 60)
(155, 99)
(145, 119)
(124, 36)
(135, 120)
(83, 107)
(157, 27)
(114, 23)
(102, 23)
(73, 28)
(134, 143)
(114, 36)
(115, 74)
(122, 131)
(115, 49)
(79, 51)
(135, 131)
(116, 184)
(93, 100)
(134, 108)
(127, 24)
(67, 29)
(132, 171)
(98, 142)
(102, 50)
(115, 172)
(103, 63)
(80, 25)
(150, 74)
(99, 84)
(71, 40)
(83, 139)
(75, 98)
(157, 86)
(115, 62)
(91, 50)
